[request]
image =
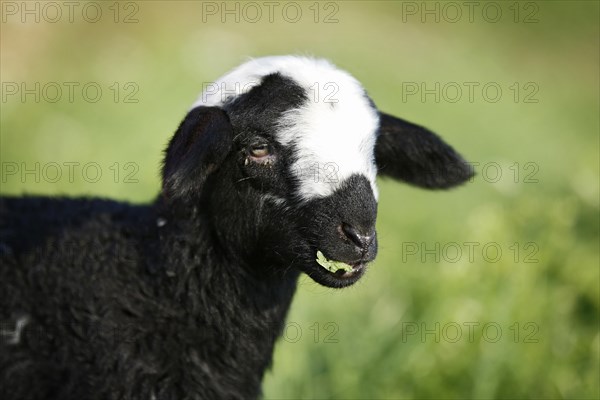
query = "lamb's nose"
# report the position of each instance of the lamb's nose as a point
(360, 239)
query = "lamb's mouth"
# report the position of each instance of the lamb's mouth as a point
(341, 277)
(340, 268)
(343, 274)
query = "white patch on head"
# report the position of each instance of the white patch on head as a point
(14, 336)
(334, 132)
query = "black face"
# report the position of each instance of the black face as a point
(280, 231)
(226, 162)
(284, 230)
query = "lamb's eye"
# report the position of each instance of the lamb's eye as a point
(260, 150)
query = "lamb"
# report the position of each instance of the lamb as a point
(185, 298)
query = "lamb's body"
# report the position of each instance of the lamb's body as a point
(184, 298)
(112, 305)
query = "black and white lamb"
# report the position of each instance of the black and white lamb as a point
(184, 298)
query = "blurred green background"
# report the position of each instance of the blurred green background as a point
(487, 291)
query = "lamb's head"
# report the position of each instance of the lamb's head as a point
(282, 154)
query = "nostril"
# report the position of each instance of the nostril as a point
(359, 239)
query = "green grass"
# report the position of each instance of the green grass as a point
(361, 342)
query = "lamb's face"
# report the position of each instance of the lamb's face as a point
(286, 150)
(304, 143)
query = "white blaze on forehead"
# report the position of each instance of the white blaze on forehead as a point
(333, 140)
(333, 133)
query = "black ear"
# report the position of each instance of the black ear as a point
(198, 148)
(414, 154)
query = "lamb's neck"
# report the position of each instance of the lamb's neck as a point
(193, 251)
(244, 305)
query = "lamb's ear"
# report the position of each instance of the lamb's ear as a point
(198, 148)
(413, 154)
